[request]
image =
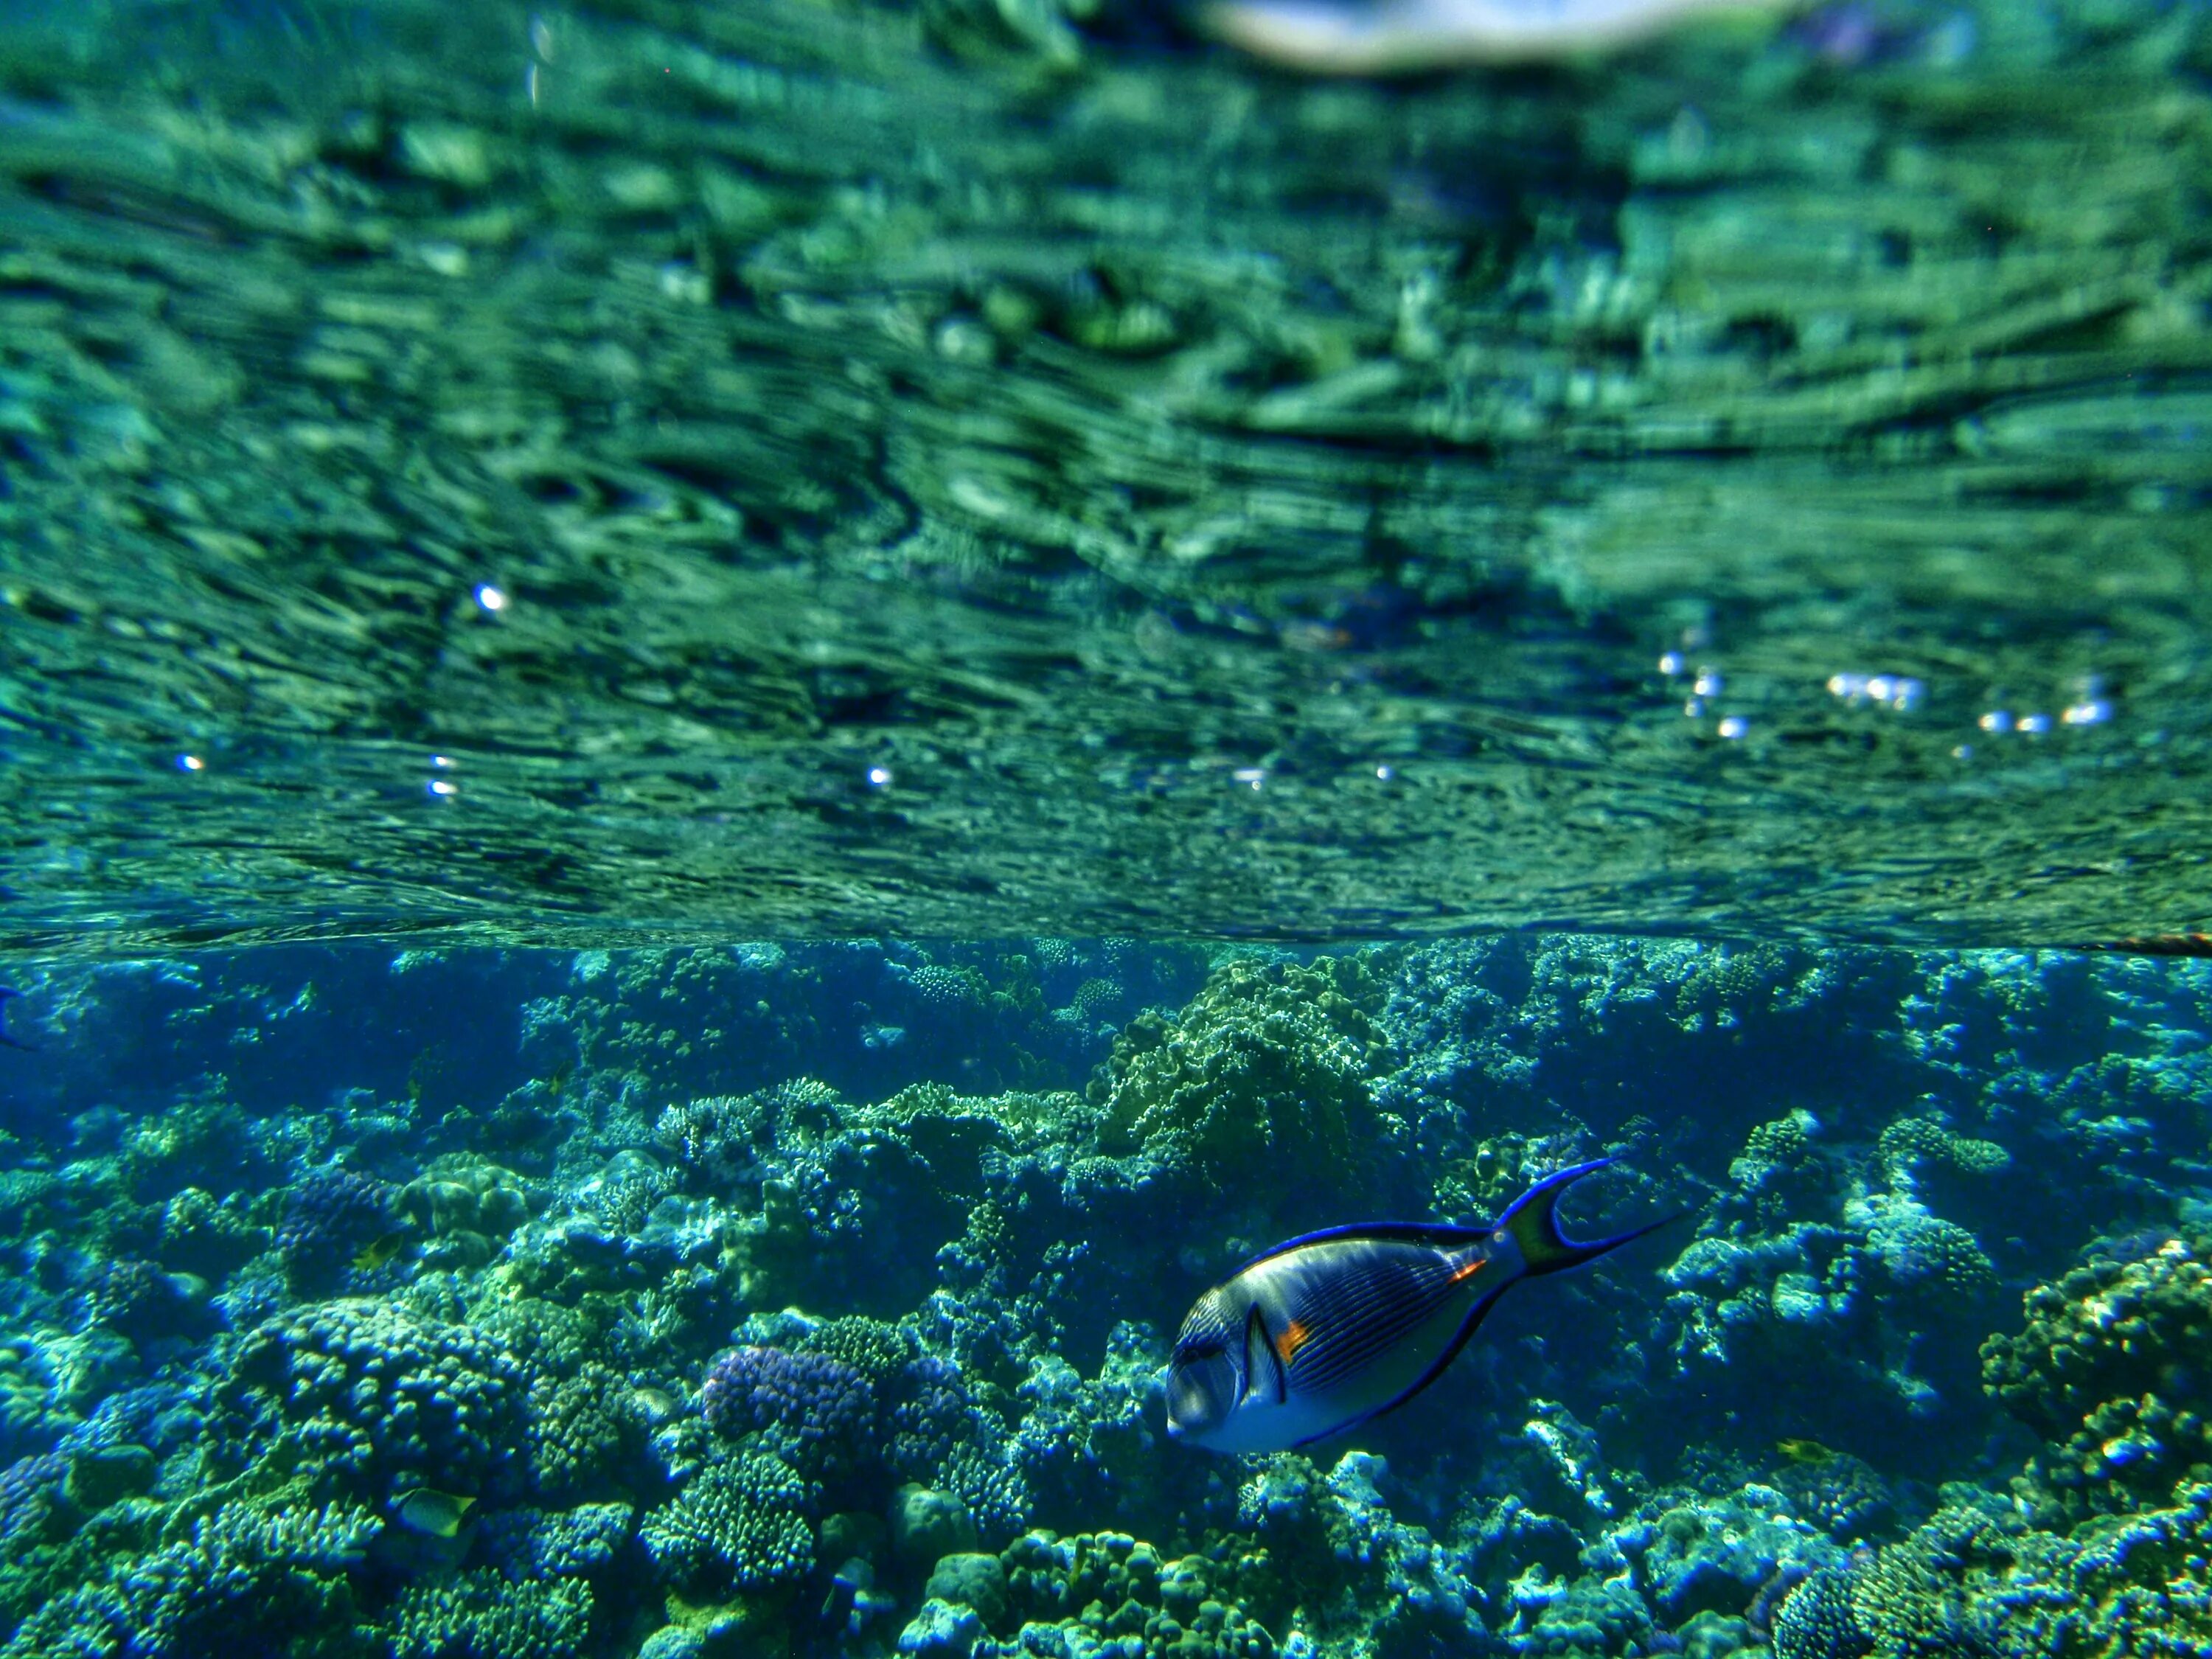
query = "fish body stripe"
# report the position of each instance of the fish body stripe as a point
(1356, 1302)
(1363, 1313)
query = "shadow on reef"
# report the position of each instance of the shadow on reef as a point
(519, 1305)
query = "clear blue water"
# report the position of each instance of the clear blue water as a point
(818, 1298)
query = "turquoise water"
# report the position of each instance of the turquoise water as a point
(653, 470)
(734, 738)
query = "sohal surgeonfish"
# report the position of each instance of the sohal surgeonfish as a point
(1336, 1326)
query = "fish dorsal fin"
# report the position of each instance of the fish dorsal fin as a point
(1263, 1366)
(1438, 1235)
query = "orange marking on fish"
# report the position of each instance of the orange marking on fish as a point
(1471, 1269)
(1295, 1336)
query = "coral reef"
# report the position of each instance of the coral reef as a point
(741, 1524)
(2111, 1369)
(374, 1396)
(1270, 1063)
(1091, 1596)
(831, 1347)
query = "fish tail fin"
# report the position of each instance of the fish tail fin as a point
(1534, 1222)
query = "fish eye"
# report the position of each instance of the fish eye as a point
(1201, 1390)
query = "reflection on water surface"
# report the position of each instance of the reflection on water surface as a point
(548, 473)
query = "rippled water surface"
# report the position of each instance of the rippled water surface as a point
(655, 469)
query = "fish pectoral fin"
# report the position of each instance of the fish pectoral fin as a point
(1263, 1366)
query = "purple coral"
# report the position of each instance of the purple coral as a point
(333, 1214)
(820, 1411)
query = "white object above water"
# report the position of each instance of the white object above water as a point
(1339, 37)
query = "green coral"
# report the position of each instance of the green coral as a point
(947, 991)
(206, 1143)
(2110, 1369)
(739, 1524)
(1923, 1257)
(1919, 1140)
(31, 1413)
(1781, 1143)
(1270, 1061)
(1976, 1582)
(543, 1335)
(483, 1614)
(1779, 1166)
(199, 1235)
(1840, 1494)
(1095, 1000)
(375, 1397)
(1077, 1594)
(270, 1581)
(1614, 988)
(874, 1347)
(581, 1433)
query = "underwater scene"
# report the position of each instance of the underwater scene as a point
(829, 829)
(859, 1297)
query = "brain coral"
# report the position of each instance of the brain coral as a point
(2112, 1370)
(1269, 1062)
(377, 1397)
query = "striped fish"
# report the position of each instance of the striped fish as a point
(1337, 1327)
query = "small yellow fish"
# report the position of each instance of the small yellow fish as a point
(378, 1251)
(1804, 1451)
(433, 1514)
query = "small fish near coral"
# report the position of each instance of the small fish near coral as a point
(1334, 1327)
(1809, 1454)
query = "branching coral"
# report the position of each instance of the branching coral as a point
(738, 1524)
(581, 1434)
(240, 1579)
(485, 1614)
(2110, 1368)
(375, 1397)
(817, 1411)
